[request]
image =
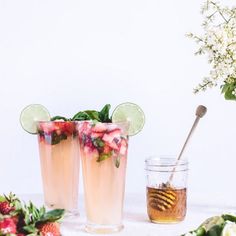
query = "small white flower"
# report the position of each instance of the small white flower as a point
(229, 229)
(234, 92)
(219, 44)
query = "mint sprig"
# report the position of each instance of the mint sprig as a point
(100, 116)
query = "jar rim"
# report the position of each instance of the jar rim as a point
(165, 161)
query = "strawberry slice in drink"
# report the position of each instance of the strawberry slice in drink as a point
(123, 147)
(68, 128)
(46, 127)
(112, 138)
(97, 134)
(99, 128)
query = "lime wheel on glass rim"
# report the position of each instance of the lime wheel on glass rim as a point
(31, 114)
(132, 113)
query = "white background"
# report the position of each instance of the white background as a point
(72, 55)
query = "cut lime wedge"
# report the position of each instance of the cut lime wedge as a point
(31, 114)
(132, 113)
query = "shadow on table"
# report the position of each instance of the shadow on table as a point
(135, 217)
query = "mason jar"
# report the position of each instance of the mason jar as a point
(166, 189)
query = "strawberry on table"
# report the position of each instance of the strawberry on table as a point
(5, 208)
(7, 226)
(8, 203)
(49, 229)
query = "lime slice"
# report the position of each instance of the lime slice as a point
(132, 113)
(31, 114)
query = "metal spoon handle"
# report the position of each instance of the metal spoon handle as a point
(200, 112)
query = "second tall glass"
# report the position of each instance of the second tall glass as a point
(59, 157)
(103, 149)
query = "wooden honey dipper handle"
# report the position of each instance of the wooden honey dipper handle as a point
(200, 112)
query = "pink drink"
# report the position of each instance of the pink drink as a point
(103, 148)
(59, 157)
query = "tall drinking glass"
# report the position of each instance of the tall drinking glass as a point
(103, 149)
(59, 157)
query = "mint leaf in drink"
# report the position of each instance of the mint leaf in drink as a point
(93, 115)
(104, 113)
(54, 118)
(117, 162)
(100, 116)
(104, 156)
(97, 142)
(81, 115)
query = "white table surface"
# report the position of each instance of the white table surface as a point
(136, 221)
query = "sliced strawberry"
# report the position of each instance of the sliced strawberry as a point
(97, 134)
(107, 149)
(68, 128)
(47, 127)
(7, 226)
(99, 128)
(49, 229)
(123, 147)
(84, 128)
(112, 138)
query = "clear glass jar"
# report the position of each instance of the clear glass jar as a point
(166, 189)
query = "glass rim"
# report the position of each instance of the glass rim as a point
(82, 121)
(165, 161)
(54, 121)
(106, 123)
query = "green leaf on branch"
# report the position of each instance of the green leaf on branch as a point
(228, 217)
(216, 230)
(227, 89)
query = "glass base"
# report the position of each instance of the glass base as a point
(103, 229)
(166, 221)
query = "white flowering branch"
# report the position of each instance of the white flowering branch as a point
(219, 43)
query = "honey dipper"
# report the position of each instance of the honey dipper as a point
(200, 112)
(164, 197)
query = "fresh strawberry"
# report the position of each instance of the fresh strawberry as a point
(5, 208)
(49, 229)
(7, 226)
(8, 203)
